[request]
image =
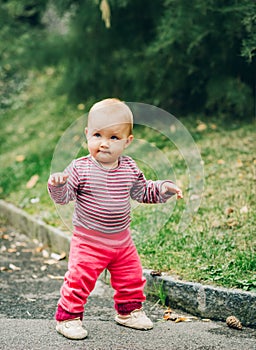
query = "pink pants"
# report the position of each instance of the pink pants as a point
(90, 253)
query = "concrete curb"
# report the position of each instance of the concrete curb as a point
(202, 300)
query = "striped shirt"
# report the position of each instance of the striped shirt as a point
(102, 196)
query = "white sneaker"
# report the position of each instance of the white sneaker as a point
(136, 319)
(72, 329)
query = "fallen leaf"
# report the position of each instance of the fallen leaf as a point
(221, 161)
(43, 268)
(58, 256)
(229, 211)
(172, 128)
(14, 267)
(39, 249)
(156, 273)
(50, 262)
(231, 222)
(12, 250)
(183, 319)
(3, 268)
(201, 127)
(6, 237)
(32, 181)
(30, 299)
(80, 106)
(35, 200)
(239, 163)
(244, 210)
(25, 250)
(171, 317)
(55, 277)
(216, 224)
(20, 158)
(21, 244)
(45, 254)
(167, 313)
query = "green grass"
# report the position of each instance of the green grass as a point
(219, 245)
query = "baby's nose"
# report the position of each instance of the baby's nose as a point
(104, 143)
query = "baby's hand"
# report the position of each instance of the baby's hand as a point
(58, 179)
(170, 187)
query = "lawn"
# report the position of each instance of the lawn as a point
(218, 243)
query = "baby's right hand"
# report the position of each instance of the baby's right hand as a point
(58, 179)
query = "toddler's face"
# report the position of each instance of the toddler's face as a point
(107, 139)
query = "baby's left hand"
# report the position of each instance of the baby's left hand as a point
(170, 187)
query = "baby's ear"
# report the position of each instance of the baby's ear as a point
(86, 131)
(128, 140)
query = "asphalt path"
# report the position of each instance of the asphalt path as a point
(30, 280)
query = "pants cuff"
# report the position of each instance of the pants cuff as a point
(127, 308)
(63, 315)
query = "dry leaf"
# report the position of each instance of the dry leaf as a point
(25, 250)
(43, 268)
(231, 222)
(3, 268)
(39, 249)
(221, 161)
(12, 250)
(172, 128)
(156, 273)
(6, 237)
(228, 211)
(201, 127)
(32, 182)
(20, 158)
(58, 256)
(50, 262)
(45, 254)
(21, 244)
(183, 319)
(239, 163)
(80, 106)
(244, 210)
(105, 11)
(30, 299)
(55, 277)
(213, 126)
(167, 314)
(14, 267)
(171, 317)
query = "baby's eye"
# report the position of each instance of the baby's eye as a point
(97, 134)
(114, 137)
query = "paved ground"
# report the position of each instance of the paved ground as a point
(30, 281)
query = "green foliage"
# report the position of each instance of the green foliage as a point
(183, 56)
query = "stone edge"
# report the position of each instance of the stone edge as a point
(202, 300)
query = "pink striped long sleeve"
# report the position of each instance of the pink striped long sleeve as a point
(102, 196)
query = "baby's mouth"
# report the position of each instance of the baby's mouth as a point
(105, 152)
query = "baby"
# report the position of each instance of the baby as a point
(101, 184)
